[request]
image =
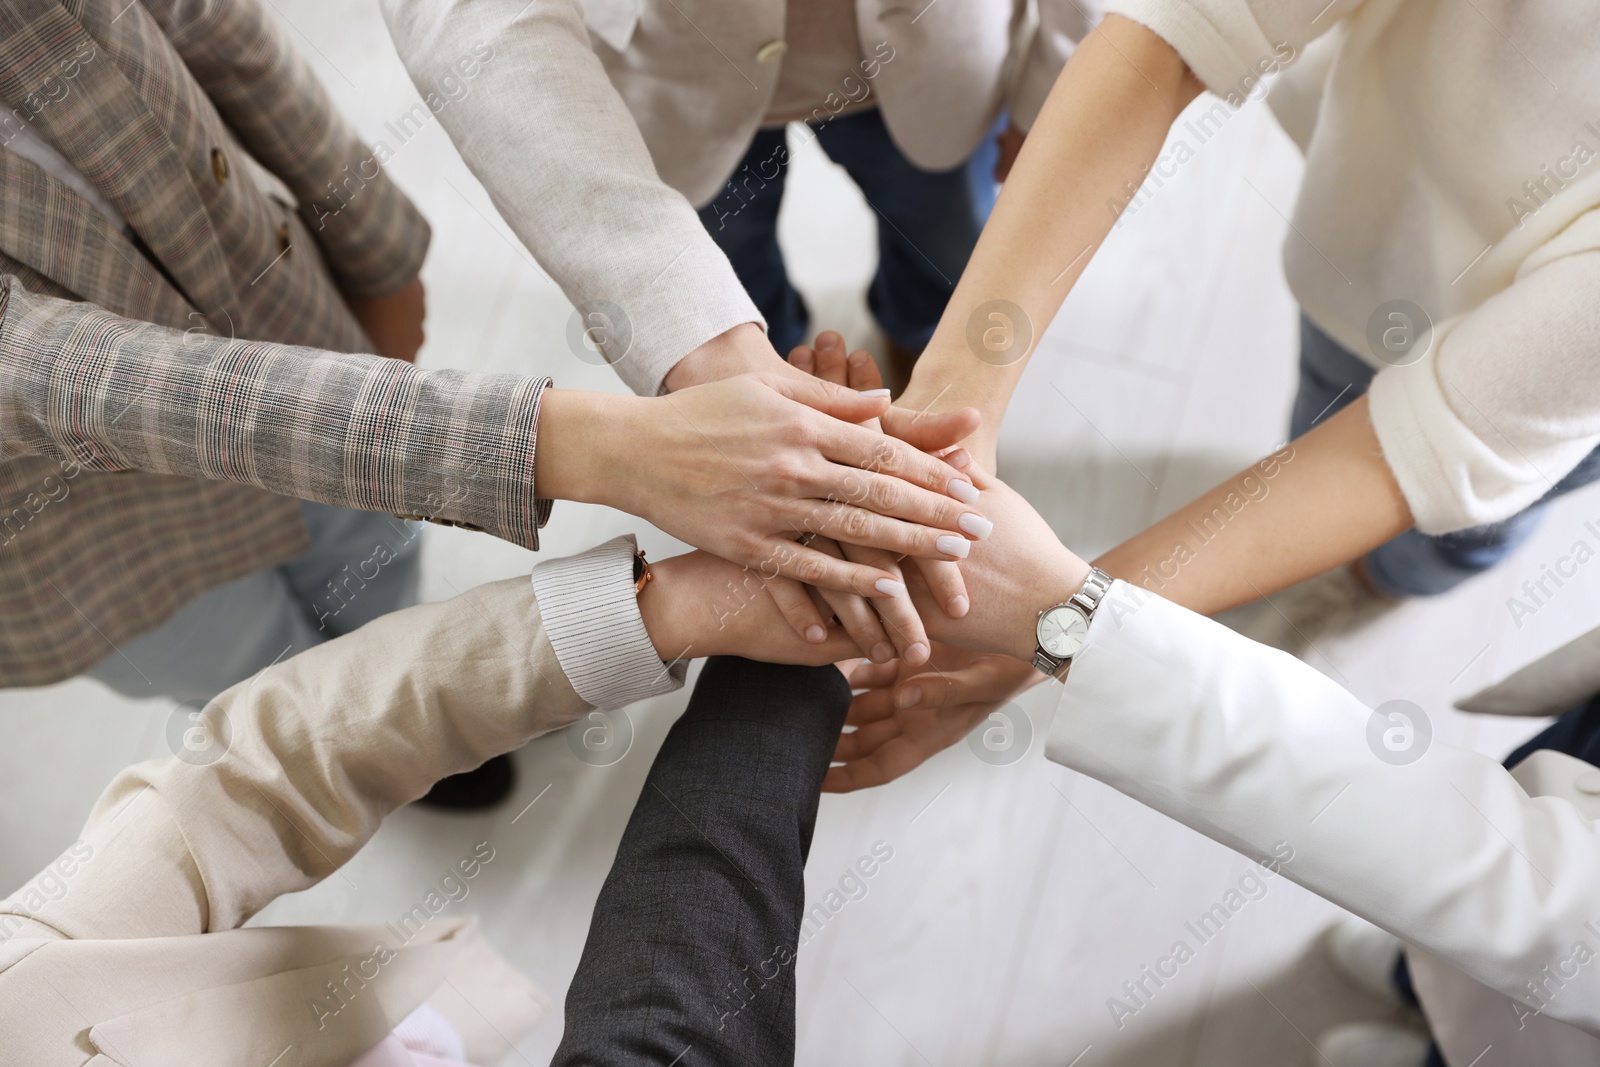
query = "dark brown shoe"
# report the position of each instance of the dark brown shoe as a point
(477, 790)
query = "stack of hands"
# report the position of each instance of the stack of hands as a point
(832, 528)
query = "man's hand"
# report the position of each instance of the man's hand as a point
(908, 714)
(393, 323)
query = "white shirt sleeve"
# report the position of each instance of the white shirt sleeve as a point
(1257, 750)
(592, 621)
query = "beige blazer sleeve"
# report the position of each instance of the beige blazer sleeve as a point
(552, 141)
(319, 748)
(127, 945)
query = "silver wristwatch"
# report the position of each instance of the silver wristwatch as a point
(1063, 629)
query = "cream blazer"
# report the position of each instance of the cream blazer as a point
(1491, 878)
(598, 126)
(127, 950)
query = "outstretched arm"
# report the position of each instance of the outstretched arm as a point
(286, 776)
(1096, 136)
(696, 932)
(1261, 752)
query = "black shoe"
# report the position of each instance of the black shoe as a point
(486, 787)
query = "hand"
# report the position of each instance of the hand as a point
(907, 715)
(742, 466)
(699, 605)
(1011, 577)
(886, 627)
(741, 350)
(1009, 141)
(393, 323)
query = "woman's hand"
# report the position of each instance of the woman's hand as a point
(698, 605)
(890, 626)
(908, 714)
(743, 466)
(1011, 577)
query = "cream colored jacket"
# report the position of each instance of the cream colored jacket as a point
(1491, 878)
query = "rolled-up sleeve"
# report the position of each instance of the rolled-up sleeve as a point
(591, 617)
(1226, 41)
(1505, 404)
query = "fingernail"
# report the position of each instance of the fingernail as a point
(960, 459)
(882, 652)
(860, 358)
(890, 587)
(958, 607)
(976, 525)
(816, 634)
(917, 653)
(874, 392)
(830, 340)
(909, 696)
(951, 545)
(963, 490)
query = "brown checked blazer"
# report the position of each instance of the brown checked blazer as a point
(165, 390)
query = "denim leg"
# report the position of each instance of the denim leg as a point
(1330, 379)
(743, 220)
(1413, 564)
(691, 953)
(228, 633)
(928, 221)
(216, 640)
(365, 565)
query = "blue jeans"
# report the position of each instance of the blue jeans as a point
(362, 565)
(928, 223)
(1413, 564)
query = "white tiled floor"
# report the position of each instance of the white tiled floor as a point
(1019, 898)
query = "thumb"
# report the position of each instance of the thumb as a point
(929, 432)
(937, 689)
(828, 398)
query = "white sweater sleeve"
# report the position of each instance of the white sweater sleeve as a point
(1230, 43)
(1507, 401)
(1262, 753)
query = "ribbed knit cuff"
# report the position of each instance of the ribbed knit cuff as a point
(591, 617)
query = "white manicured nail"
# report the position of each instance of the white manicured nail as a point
(874, 392)
(976, 525)
(889, 587)
(963, 490)
(951, 545)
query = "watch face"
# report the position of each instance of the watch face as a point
(1062, 631)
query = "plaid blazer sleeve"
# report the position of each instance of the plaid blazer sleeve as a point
(79, 384)
(373, 237)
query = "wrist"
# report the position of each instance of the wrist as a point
(1060, 576)
(740, 350)
(582, 446)
(666, 612)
